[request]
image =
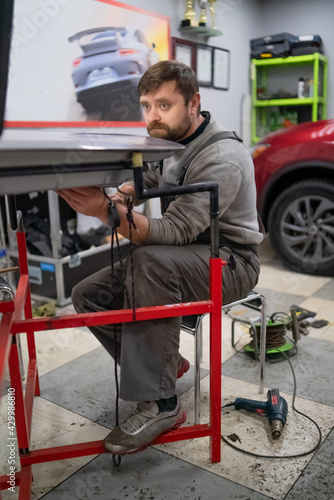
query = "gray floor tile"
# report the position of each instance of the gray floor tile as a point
(317, 480)
(149, 475)
(4, 387)
(313, 366)
(326, 292)
(86, 386)
(279, 301)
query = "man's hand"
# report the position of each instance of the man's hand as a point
(122, 194)
(92, 201)
(87, 200)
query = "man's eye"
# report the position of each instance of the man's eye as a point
(145, 107)
(164, 105)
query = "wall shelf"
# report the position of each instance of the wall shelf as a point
(205, 31)
(287, 102)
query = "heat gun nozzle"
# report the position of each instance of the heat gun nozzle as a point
(276, 428)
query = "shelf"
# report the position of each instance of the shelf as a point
(201, 31)
(289, 102)
(290, 60)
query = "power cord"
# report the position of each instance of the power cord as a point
(297, 411)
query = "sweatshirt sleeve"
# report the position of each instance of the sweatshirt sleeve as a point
(189, 214)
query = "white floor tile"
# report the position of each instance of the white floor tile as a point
(323, 308)
(282, 280)
(324, 333)
(58, 347)
(52, 426)
(260, 474)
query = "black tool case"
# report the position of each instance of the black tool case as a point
(278, 45)
(306, 44)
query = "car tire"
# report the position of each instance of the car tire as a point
(301, 227)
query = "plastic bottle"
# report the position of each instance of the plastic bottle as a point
(306, 91)
(301, 85)
(311, 84)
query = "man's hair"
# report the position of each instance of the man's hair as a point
(166, 71)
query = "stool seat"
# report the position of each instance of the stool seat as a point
(254, 302)
(190, 321)
(193, 324)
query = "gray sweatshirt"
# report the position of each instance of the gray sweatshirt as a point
(227, 162)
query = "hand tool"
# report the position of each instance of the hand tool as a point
(275, 409)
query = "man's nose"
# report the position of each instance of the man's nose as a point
(153, 115)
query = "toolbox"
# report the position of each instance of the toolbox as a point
(306, 44)
(52, 275)
(278, 45)
(53, 278)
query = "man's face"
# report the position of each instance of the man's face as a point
(166, 114)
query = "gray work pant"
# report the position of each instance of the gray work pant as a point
(148, 350)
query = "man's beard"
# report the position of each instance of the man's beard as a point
(163, 131)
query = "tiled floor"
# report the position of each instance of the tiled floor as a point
(77, 401)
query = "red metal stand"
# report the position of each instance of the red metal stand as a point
(13, 324)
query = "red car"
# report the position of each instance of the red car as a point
(294, 172)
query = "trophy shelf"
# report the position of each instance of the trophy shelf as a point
(205, 31)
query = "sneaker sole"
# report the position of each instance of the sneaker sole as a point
(177, 424)
(183, 369)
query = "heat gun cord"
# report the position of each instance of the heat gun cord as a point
(297, 411)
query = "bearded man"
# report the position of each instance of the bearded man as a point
(171, 261)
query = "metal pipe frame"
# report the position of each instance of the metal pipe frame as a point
(12, 324)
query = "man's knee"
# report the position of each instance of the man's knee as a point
(78, 298)
(81, 295)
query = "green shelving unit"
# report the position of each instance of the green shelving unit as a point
(315, 105)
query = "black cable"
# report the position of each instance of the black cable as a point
(237, 342)
(115, 458)
(297, 411)
(114, 236)
(291, 353)
(280, 315)
(123, 192)
(129, 217)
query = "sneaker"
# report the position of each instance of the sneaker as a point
(142, 428)
(183, 366)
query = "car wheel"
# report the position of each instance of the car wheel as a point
(301, 227)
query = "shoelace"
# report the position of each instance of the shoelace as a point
(137, 419)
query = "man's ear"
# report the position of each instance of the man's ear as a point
(195, 103)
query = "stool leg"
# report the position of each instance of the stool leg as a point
(263, 341)
(232, 332)
(197, 373)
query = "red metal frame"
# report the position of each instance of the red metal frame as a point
(13, 324)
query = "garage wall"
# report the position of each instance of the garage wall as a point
(239, 20)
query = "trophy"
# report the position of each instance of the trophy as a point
(189, 15)
(212, 12)
(203, 17)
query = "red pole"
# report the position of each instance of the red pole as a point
(215, 357)
(23, 262)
